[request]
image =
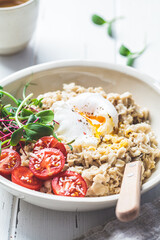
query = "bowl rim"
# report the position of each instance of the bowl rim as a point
(154, 84)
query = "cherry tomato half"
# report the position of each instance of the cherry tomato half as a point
(46, 163)
(70, 184)
(6, 176)
(25, 178)
(9, 160)
(49, 142)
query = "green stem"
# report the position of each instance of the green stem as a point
(2, 143)
(137, 54)
(142, 51)
(10, 96)
(8, 105)
(70, 142)
(20, 118)
(19, 108)
(115, 19)
(24, 90)
(24, 140)
(5, 141)
(5, 108)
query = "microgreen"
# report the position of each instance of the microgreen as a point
(2, 92)
(19, 108)
(6, 110)
(54, 135)
(37, 130)
(31, 131)
(0, 147)
(69, 144)
(98, 20)
(37, 102)
(109, 30)
(19, 101)
(25, 88)
(32, 118)
(16, 136)
(45, 116)
(131, 56)
(26, 112)
(23, 122)
(124, 51)
(3, 143)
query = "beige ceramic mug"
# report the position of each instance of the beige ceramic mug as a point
(17, 24)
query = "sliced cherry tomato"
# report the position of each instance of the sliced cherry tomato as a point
(70, 184)
(24, 177)
(6, 176)
(9, 160)
(46, 163)
(50, 142)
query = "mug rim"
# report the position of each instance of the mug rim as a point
(17, 6)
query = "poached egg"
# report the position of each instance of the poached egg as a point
(85, 118)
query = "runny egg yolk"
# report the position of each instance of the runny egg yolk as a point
(94, 121)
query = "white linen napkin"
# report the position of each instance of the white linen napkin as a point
(145, 227)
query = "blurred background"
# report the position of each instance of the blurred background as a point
(65, 31)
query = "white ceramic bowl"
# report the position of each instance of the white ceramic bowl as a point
(113, 78)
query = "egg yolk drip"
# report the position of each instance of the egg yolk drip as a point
(95, 121)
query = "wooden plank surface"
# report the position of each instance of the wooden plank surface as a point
(140, 24)
(6, 201)
(8, 204)
(35, 223)
(65, 31)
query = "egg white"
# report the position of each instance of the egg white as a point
(78, 118)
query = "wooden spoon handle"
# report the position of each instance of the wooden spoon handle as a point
(128, 204)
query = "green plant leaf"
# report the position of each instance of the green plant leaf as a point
(37, 130)
(130, 60)
(37, 102)
(109, 30)
(16, 136)
(8, 110)
(46, 116)
(1, 94)
(20, 107)
(124, 51)
(98, 20)
(31, 119)
(19, 101)
(26, 112)
(40, 102)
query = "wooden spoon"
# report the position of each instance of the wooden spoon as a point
(128, 204)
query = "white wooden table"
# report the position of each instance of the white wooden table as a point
(65, 31)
